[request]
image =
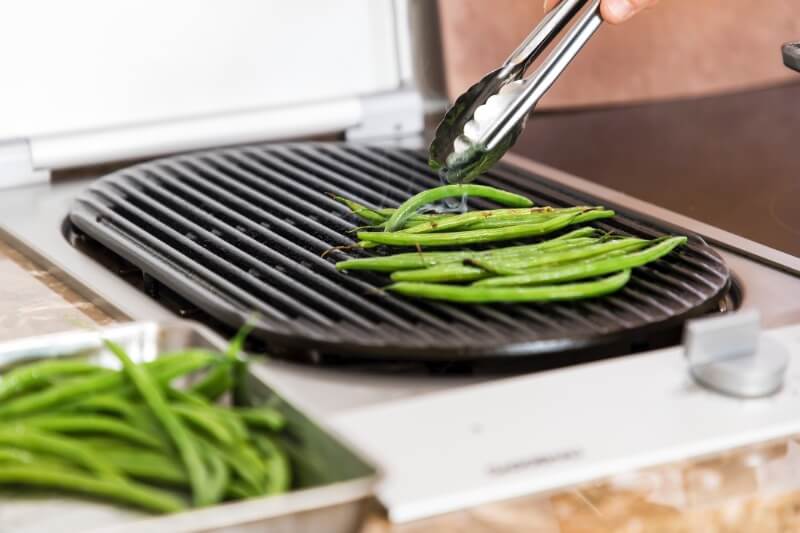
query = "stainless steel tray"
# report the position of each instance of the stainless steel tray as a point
(332, 484)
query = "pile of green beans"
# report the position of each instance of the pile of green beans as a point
(132, 437)
(583, 263)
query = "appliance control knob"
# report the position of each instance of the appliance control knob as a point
(728, 354)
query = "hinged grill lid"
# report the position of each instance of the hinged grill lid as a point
(242, 230)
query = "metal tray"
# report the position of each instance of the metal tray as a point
(332, 484)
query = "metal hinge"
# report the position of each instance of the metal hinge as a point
(391, 115)
(16, 165)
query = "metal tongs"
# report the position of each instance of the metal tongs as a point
(503, 132)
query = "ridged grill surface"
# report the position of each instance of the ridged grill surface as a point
(242, 231)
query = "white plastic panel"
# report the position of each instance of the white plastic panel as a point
(89, 64)
(507, 438)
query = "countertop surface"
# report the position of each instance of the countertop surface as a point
(747, 490)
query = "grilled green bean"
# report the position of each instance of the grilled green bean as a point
(360, 210)
(27, 438)
(73, 481)
(416, 260)
(33, 375)
(92, 424)
(476, 268)
(586, 269)
(478, 219)
(178, 434)
(545, 293)
(413, 204)
(476, 236)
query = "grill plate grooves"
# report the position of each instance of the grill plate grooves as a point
(242, 230)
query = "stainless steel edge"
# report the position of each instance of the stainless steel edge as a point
(32, 218)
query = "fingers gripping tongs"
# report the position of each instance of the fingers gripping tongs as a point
(485, 121)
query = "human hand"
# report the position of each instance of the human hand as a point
(613, 11)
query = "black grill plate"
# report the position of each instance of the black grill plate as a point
(242, 231)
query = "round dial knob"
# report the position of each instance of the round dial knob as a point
(728, 354)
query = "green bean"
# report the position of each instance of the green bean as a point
(262, 418)
(33, 440)
(241, 490)
(362, 211)
(218, 476)
(479, 267)
(279, 474)
(68, 424)
(545, 293)
(71, 391)
(177, 432)
(106, 404)
(32, 375)
(216, 383)
(587, 269)
(475, 236)
(242, 461)
(72, 481)
(413, 204)
(205, 421)
(145, 465)
(476, 219)
(16, 455)
(584, 215)
(416, 260)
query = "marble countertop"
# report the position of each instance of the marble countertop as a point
(752, 489)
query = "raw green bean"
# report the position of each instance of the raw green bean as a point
(241, 491)
(33, 440)
(216, 383)
(106, 404)
(279, 474)
(241, 460)
(16, 455)
(545, 293)
(177, 432)
(218, 476)
(32, 375)
(262, 418)
(205, 421)
(71, 391)
(413, 204)
(72, 481)
(586, 269)
(145, 465)
(475, 236)
(93, 424)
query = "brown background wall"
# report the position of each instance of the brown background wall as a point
(680, 48)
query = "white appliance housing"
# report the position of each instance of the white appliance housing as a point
(129, 79)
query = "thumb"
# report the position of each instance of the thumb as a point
(550, 4)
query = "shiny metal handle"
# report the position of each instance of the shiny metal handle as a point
(543, 34)
(544, 77)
